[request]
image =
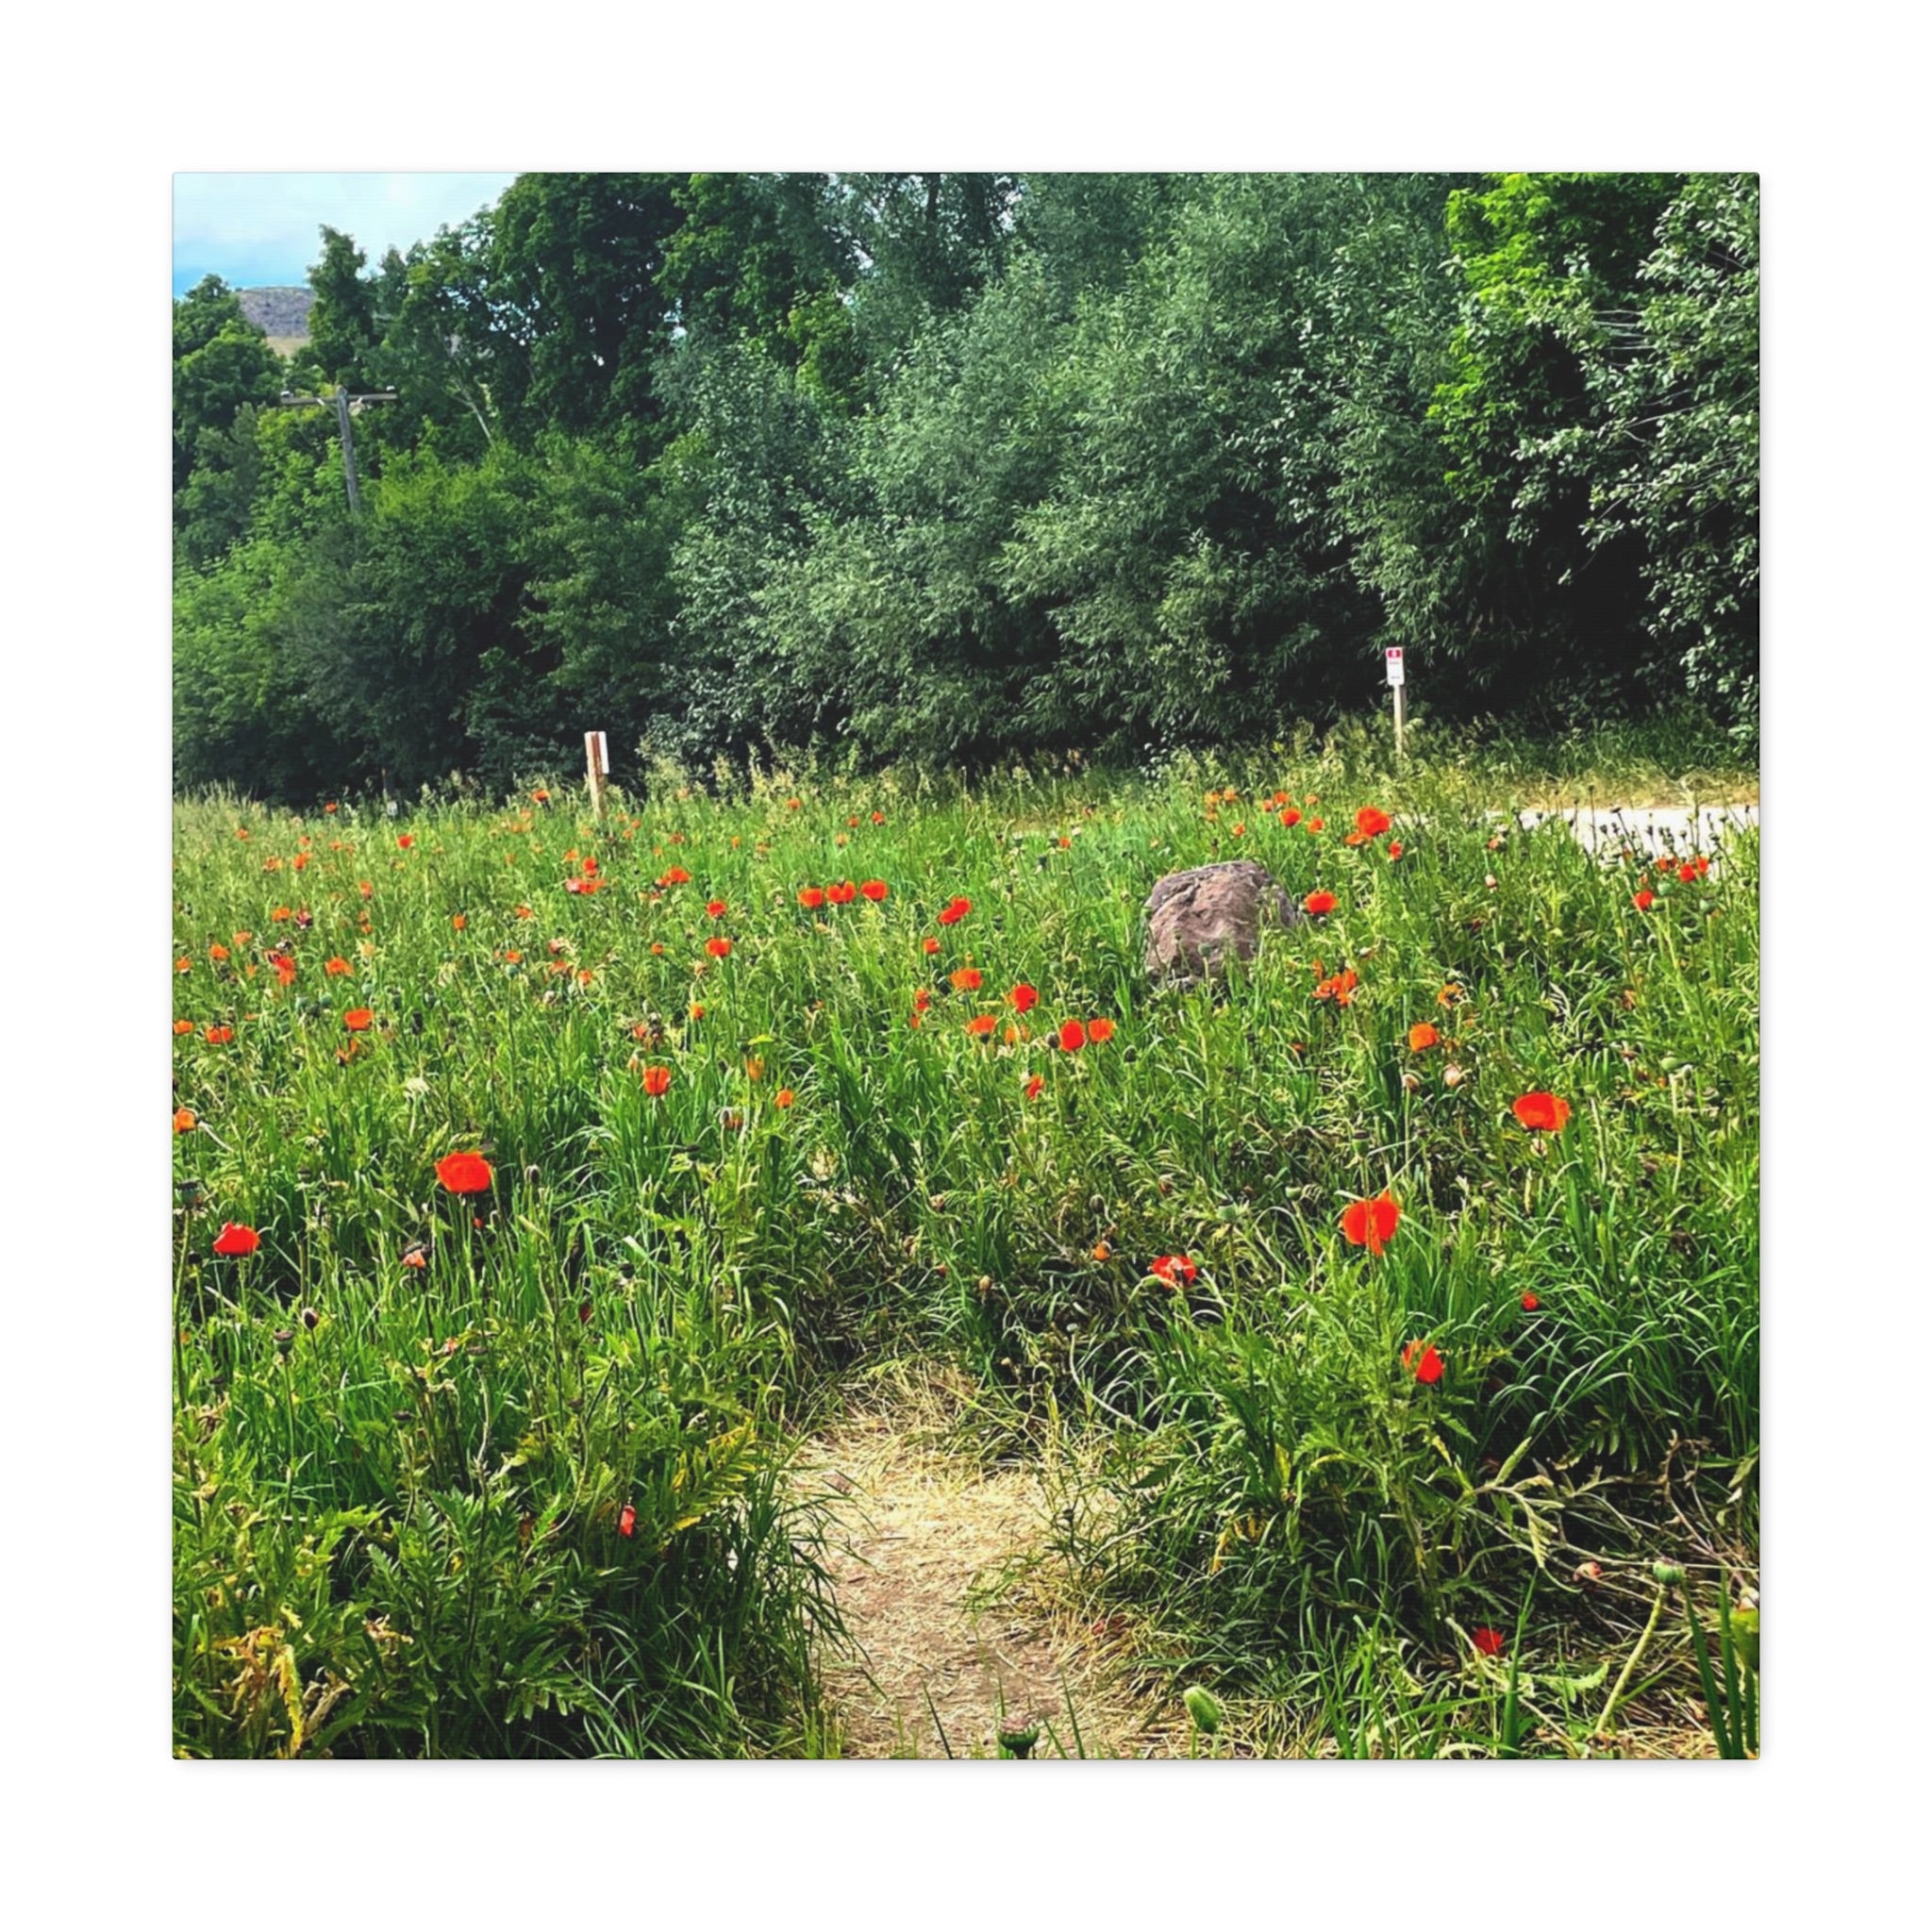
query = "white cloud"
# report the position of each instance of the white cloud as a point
(267, 224)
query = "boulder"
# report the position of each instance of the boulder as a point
(1198, 920)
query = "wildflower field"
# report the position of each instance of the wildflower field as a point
(1386, 1313)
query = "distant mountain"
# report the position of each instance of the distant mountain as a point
(280, 314)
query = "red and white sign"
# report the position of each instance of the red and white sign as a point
(1394, 658)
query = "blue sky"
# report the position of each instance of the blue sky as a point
(263, 230)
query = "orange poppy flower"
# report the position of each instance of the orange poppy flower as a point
(1033, 1085)
(922, 999)
(1421, 1036)
(358, 1018)
(716, 907)
(184, 1120)
(1178, 1271)
(218, 951)
(284, 968)
(1102, 1252)
(697, 1012)
(784, 1097)
(656, 1080)
(464, 1173)
(967, 979)
(1371, 822)
(955, 911)
(930, 946)
(1423, 1359)
(235, 1238)
(1541, 1113)
(1644, 900)
(336, 967)
(1448, 995)
(981, 1026)
(1100, 1031)
(1395, 849)
(1338, 987)
(1072, 1037)
(812, 898)
(184, 1027)
(459, 920)
(184, 965)
(842, 894)
(219, 1036)
(794, 805)
(875, 890)
(1370, 1223)
(718, 948)
(675, 876)
(1291, 817)
(1319, 903)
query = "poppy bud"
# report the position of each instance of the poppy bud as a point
(1018, 1738)
(1202, 1710)
(1670, 1575)
(309, 1318)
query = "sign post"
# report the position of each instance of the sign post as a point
(597, 764)
(1397, 683)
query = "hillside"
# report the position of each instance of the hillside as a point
(280, 314)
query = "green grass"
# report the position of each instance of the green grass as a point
(401, 1491)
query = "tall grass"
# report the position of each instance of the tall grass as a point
(528, 1497)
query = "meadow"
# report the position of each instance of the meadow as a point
(1386, 1314)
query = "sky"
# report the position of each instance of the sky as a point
(260, 230)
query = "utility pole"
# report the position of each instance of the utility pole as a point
(342, 399)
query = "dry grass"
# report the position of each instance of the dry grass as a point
(959, 1621)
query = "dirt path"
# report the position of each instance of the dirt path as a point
(939, 1575)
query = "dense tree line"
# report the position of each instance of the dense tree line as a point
(951, 467)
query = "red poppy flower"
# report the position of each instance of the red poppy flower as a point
(1319, 903)
(1024, 998)
(415, 1257)
(628, 1520)
(981, 1026)
(1421, 1036)
(464, 1174)
(922, 999)
(336, 967)
(1486, 1641)
(955, 911)
(218, 951)
(1543, 1113)
(1395, 848)
(1371, 822)
(794, 805)
(1423, 1359)
(812, 898)
(219, 1036)
(1530, 1305)
(656, 1080)
(405, 841)
(675, 876)
(358, 1018)
(716, 907)
(784, 1097)
(284, 968)
(718, 948)
(967, 979)
(842, 894)
(1033, 1087)
(1644, 900)
(875, 890)
(235, 1238)
(1370, 1223)
(930, 946)
(1291, 817)
(1072, 1037)
(1178, 1271)
(1100, 1031)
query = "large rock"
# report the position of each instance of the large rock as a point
(1197, 920)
